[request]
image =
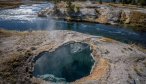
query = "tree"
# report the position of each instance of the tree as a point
(70, 7)
(114, 1)
(133, 2)
(120, 1)
(124, 1)
(56, 1)
(100, 1)
(142, 2)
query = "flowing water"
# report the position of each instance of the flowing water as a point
(25, 18)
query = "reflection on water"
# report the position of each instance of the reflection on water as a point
(115, 32)
(25, 18)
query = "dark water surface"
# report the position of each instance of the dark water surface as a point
(25, 18)
(68, 63)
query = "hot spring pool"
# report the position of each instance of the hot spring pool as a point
(67, 63)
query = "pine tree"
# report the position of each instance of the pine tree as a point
(70, 7)
(114, 1)
(100, 1)
(142, 2)
(133, 2)
(120, 1)
(124, 1)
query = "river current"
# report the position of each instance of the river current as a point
(24, 18)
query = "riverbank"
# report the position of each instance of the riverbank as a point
(9, 4)
(115, 62)
(6, 4)
(100, 13)
(25, 18)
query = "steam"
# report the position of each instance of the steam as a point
(69, 62)
(51, 23)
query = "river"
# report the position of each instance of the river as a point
(24, 18)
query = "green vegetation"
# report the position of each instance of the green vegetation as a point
(142, 2)
(114, 1)
(133, 2)
(70, 7)
(100, 1)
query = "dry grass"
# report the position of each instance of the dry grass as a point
(139, 47)
(9, 4)
(12, 64)
(8, 65)
(4, 33)
(138, 70)
(8, 33)
(138, 19)
(109, 40)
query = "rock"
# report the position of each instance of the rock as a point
(50, 77)
(45, 12)
(115, 62)
(125, 16)
(88, 11)
(100, 13)
(127, 21)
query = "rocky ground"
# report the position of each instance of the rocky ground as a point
(100, 13)
(115, 62)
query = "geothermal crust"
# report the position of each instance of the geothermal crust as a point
(99, 13)
(115, 62)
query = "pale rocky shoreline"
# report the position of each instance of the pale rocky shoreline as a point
(100, 13)
(117, 62)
